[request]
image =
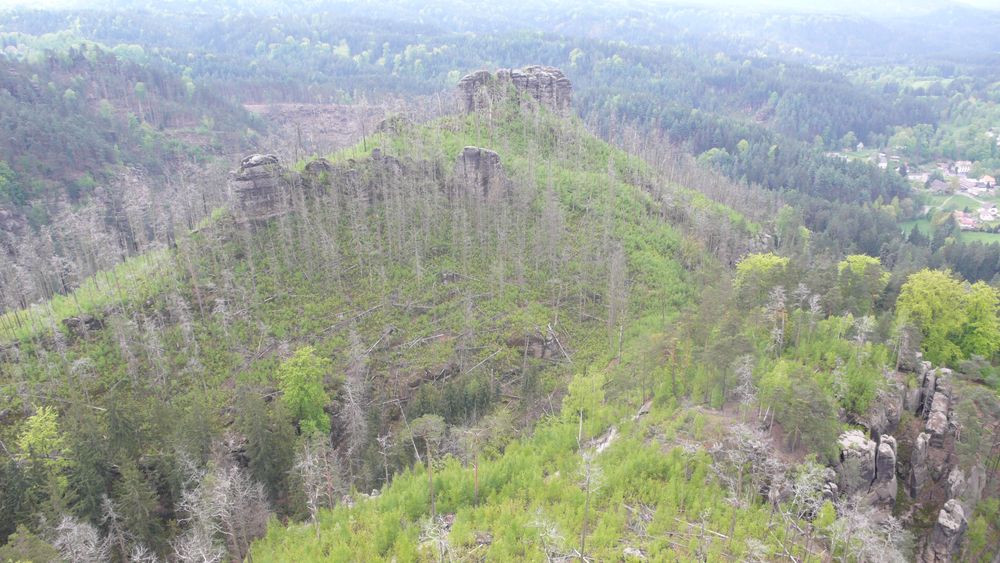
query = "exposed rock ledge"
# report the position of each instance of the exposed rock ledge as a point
(546, 85)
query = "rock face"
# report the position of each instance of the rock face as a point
(261, 187)
(883, 488)
(937, 413)
(856, 470)
(947, 534)
(868, 468)
(919, 464)
(548, 86)
(478, 172)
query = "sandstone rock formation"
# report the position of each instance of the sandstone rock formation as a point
(947, 534)
(856, 470)
(82, 325)
(478, 172)
(883, 488)
(868, 468)
(547, 86)
(260, 187)
(919, 464)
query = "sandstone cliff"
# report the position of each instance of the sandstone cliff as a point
(545, 85)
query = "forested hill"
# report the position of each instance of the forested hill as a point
(682, 290)
(528, 341)
(428, 281)
(72, 112)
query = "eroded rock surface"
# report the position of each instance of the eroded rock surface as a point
(478, 172)
(260, 190)
(947, 534)
(884, 487)
(857, 462)
(548, 86)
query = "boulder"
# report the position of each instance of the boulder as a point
(80, 326)
(856, 469)
(633, 553)
(947, 534)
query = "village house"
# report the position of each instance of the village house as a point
(989, 181)
(962, 167)
(966, 221)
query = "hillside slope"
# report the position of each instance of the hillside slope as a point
(426, 278)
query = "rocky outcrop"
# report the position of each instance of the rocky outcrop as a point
(478, 172)
(947, 534)
(547, 86)
(919, 464)
(867, 468)
(82, 325)
(939, 406)
(261, 187)
(856, 470)
(394, 124)
(883, 488)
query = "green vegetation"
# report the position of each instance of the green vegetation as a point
(300, 379)
(956, 322)
(639, 335)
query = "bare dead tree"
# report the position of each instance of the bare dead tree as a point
(225, 506)
(318, 468)
(590, 480)
(79, 541)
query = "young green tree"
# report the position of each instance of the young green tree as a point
(933, 301)
(270, 442)
(300, 379)
(756, 274)
(981, 334)
(43, 447)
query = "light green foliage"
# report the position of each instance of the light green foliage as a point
(300, 379)
(535, 506)
(43, 447)
(134, 281)
(981, 332)
(984, 531)
(24, 546)
(585, 396)
(956, 321)
(756, 274)
(40, 440)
